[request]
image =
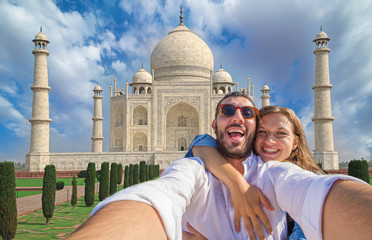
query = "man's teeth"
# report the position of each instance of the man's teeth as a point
(270, 150)
(236, 131)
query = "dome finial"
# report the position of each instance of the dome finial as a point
(41, 28)
(321, 28)
(142, 65)
(221, 65)
(181, 16)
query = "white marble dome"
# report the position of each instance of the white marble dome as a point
(265, 87)
(142, 76)
(97, 88)
(181, 52)
(222, 76)
(321, 34)
(41, 36)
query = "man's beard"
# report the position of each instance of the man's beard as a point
(243, 152)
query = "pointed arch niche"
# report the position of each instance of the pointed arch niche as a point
(182, 125)
(140, 116)
(139, 142)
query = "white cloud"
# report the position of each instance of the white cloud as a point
(13, 119)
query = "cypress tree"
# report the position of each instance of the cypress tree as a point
(113, 178)
(147, 172)
(104, 183)
(120, 173)
(157, 170)
(359, 169)
(49, 191)
(130, 174)
(135, 174)
(126, 177)
(74, 192)
(90, 181)
(151, 171)
(8, 203)
(142, 171)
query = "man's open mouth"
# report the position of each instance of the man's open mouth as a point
(235, 133)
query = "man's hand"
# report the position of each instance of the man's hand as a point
(247, 202)
(195, 235)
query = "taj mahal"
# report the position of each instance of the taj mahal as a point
(156, 119)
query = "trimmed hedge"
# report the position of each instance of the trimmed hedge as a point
(74, 192)
(142, 171)
(359, 169)
(104, 181)
(130, 174)
(8, 205)
(114, 178)
(60, 185)
(135, 174)
(82, 174)
(49, 191)
(90, 184)
(120, 173)
(126, 177)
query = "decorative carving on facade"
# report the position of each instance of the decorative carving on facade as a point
(193, 101)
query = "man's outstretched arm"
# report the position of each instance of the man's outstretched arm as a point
(122, 220)
(347, 211)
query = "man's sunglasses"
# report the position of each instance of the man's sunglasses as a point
(228, 110)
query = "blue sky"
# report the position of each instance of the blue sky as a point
(269, 41)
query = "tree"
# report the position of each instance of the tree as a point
(74, 192)
(104, 181)
(113, 178)
(90, 181)
(8, 204)
(120, 173)
(359, 169)
(130, 174)
(142, 171)
(49, 191)
(126, 177)
(135, 174)
(157, 170)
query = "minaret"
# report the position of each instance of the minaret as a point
(97, 120)
(39, 143)
(324, 149)
(265, 97)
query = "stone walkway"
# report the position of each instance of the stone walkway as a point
(32, 203)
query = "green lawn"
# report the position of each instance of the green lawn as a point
(27, 193)
(370, 180)
(38, 182)
(64, 221)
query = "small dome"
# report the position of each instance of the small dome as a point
(41, 36)
(97, 88)
(321, 34)
(222, 76)
(265, 87)
(142, 76)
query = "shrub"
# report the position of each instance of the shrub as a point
(126, 177)
(82, 174)
(359, 169)
(151, 171)
(120, 173)
(147, 173)
(60, 185)
(130, 174)
(8, 206)
(135, 174)
(104, 181)
(49, 191)
(142, 171)
(98, 175)
(113, 178)
(157, 170)
(90, 184)
(74, 192)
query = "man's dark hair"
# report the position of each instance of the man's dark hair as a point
(233, 94)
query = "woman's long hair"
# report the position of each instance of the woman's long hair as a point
(301, 155)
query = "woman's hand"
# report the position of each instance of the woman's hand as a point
(195, 235)
(247, 200)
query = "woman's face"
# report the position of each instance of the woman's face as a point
(275, 139)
